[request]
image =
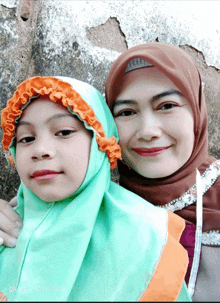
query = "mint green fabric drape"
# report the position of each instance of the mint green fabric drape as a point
(91, 246)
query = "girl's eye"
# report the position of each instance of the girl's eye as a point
(64, 133)
(167, 106)
(26, 139)
(125, 113)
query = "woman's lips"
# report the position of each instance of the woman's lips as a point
(43, 175)
(150, 152)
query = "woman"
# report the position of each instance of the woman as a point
(154, 91)
(84, 237)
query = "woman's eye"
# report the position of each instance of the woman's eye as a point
(167, 106)
(26, 140)
(125, 113)
(65, 132)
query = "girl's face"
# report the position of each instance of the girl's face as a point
(52, 150)
(155, 123)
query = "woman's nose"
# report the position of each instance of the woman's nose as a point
(43, 149)
(149, 127)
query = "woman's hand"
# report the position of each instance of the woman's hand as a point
(10, 223)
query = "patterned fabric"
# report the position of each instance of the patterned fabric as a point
(189, 197)
(211, 237)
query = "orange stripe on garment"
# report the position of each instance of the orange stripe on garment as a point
(169, 275)
(3, 298)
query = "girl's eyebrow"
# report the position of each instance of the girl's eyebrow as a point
(154, 98)
(56, 116)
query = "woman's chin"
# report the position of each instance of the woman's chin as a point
(153, 173)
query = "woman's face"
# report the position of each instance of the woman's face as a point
(52, 150)
(155, 123)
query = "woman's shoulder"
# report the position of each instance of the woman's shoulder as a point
(207, 284)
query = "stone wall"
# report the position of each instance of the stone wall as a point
(81, 39)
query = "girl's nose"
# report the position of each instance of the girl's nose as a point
(43, 149)
(149, 127)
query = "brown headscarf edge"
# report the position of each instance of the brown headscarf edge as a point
(178, 66)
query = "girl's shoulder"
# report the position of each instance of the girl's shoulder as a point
(159, 232)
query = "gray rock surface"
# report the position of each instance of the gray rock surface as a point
(81, 39)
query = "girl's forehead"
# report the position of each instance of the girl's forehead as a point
(43, 106)
(43, 110)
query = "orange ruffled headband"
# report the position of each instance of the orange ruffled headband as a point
(57, 90)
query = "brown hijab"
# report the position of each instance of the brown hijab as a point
(178, 66)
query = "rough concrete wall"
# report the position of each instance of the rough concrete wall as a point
(81, 39)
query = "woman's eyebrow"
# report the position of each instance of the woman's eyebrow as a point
(56, 116)
(154, 98)
(123, 101)
(166, 93)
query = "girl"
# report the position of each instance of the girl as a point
(84, 237)
(154, 91)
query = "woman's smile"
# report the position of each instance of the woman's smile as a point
(150, 152)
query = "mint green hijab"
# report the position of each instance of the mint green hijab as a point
(93, 246)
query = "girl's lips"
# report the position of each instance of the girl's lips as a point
(43, 175)
(150, 152)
